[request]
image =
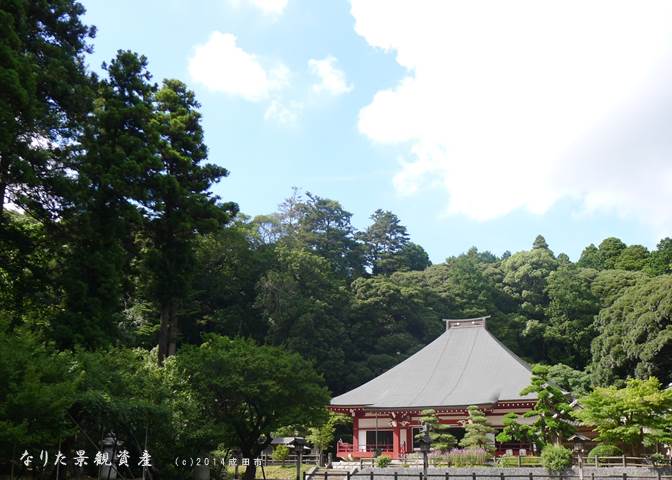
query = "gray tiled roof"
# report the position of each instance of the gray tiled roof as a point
(466, 365)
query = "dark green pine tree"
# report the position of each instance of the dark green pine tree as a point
(324, 228)
(388, 248)
(552, 413)
(478, 433)
(439, 433)
(179, 205)
(118, 151)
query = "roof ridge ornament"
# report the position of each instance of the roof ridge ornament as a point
(465, 322)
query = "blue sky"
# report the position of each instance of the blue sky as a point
(473, 133)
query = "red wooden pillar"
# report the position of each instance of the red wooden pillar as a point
(395, 440)
(355, 433)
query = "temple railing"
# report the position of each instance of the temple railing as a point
(344, 449)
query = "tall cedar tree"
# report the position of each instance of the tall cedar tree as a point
(118, 153)
(179, 205)
(44, 96)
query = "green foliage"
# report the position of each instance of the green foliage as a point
(439, 433)
(660, 260)
(556, 458)
(609, 252)
(574, 381)
(515, 431)
(552, 414)
(604, 450)
(390, 319)
(324, 227)
(609, 285)
(568, 330)
(612, 254)
(478, 434)
(388, 248)
(633, 257)
(635, 334)
(280, 453)
(322, 437)
(122, 243)
(249, 390)
(38, 391)
(634, 416)
(540, 243)
(178, 205)
(590, 258)
(525, 279)
(228, 266)
(118, 148)
(45, 93)
(305, 304)
(122, 390)
(383, 461)
(29, 294)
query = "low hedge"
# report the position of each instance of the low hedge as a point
(605, 450)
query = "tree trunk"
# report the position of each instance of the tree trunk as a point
(174, 330)
(164, 332)
(250, 471)
(4, 180)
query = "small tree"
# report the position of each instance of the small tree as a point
(634, 416)
(478, 432)
(280, 454)
(249, 391)
(322, 437)
(442, 439)
(552, 413)
(514, 431)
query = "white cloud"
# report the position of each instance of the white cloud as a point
(284, 114)
(222, 66)
(518, 104)
(331, 79)
(267, 7)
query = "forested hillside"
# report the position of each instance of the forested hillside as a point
(115, 255)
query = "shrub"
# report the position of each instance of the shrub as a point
(605, 450)
(383, 461)
(556, 458)
(468, 457)
(280, 453)
(658, 459)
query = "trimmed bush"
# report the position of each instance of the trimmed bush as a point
(383, 461)
(605, 450)
(556, 458)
